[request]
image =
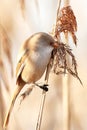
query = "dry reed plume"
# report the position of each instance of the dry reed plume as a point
(59, 61)
(66, 23)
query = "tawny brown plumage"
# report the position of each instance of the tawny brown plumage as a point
(35, 55)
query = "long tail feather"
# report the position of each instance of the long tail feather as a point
(17, 91)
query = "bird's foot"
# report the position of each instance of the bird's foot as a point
(44, 86)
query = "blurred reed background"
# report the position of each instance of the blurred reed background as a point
(18, 20)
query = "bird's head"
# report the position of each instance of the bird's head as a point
(42, 40)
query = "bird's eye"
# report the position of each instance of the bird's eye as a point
(51, 43)
(54, 44)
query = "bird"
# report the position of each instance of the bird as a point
(34, 56)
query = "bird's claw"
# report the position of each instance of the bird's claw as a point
(44, 86)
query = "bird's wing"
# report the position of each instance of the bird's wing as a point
(21, 63)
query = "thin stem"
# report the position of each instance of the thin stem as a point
(59, 4)
(39, 120)
(22, 5)
(66, 2)
(66, 96)
(41, 112)
(2, 108)
(58, 9)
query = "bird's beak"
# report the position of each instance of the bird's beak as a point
(55, 45)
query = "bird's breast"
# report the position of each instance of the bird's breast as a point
(35, 66)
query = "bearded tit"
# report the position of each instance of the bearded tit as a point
(34, 55)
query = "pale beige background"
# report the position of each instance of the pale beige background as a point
(40, 16)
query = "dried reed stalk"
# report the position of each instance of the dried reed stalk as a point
(39, 120)
(66, 83)
(37, 5)
(2, 108)
(3, 75)
(66, 2)
(22, 6)
(5, 52)
(65, 24)
(66, 96)
(6, 45)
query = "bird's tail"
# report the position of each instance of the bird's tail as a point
(15, 94)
